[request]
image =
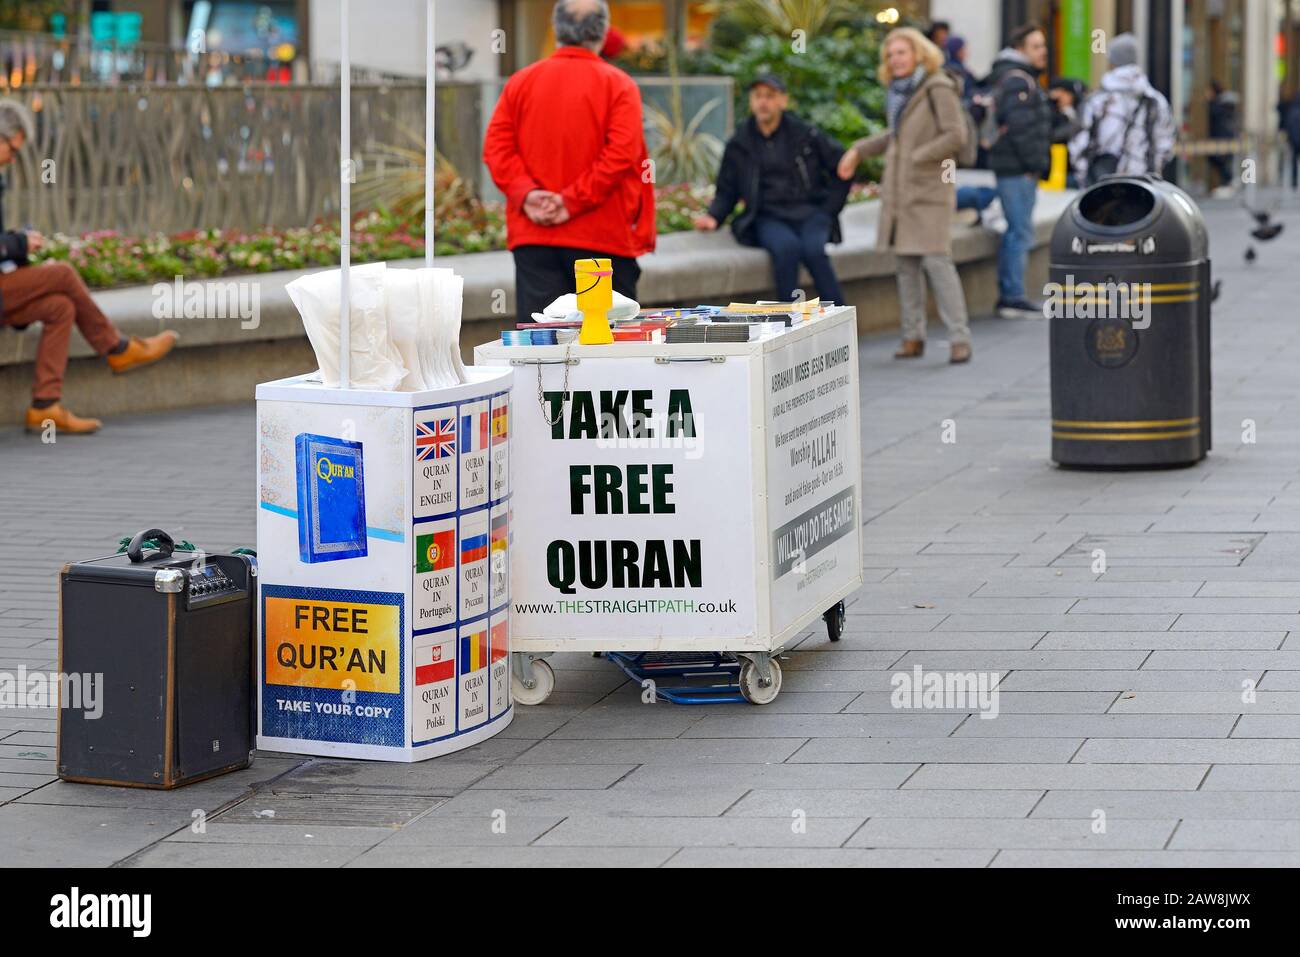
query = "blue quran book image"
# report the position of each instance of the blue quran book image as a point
(331, 499)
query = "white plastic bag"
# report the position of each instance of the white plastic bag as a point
(374, 362)
(438, 342)
(402, 298)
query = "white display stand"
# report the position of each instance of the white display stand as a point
(401, 653)
(732, 536)
(383, 541)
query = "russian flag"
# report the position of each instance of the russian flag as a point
(473, 549)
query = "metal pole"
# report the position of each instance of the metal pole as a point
(430, 149)
(345, 200)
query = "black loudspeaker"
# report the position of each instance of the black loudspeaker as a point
(166, 638)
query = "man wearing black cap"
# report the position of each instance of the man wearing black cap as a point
(784, 170)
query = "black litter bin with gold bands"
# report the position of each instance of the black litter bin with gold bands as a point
(1129, 301)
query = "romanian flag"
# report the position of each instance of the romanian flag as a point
(436, 551)
(500, 640)
(499, 533)
(473, 549)
(434, 664)
(473, 652)
(500, 424)
(473, 434)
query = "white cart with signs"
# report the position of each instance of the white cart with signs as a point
(683, 498)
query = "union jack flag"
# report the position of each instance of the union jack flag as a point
(435, 440)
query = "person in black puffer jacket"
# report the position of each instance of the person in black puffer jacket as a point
(1020, 155)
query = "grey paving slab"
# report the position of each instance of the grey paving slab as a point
(704, 800)
(35, 835)
(1100, 726)
(397, 855)
(1200, 605)
(1238, 835)
(1026, 833)
(1183, 750)
(190, 854)
(1030, 660)
(919, 724)
(673, 751)
(1208, 640)
(562, 777)
(1204, 805)
(304, 835)
(1280, 681)
(875, 803)
(1277, 703)
(770, 834)
(829, 857)
(1199, 860)
(501, 828)
(855, 660)
(1008, 702)
(1143, 680)
(1087, 589)
(1223, 660)
(1057, 776)
(983, 750)
(825, 680)
(1070, 622)
(1268, 726)
(641, 721)
(902, 641)
(1247, 590)
(1253, 777)
(788, 776)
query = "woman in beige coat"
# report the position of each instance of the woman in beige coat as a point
(918, 190)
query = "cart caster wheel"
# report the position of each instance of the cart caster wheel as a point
(834, 621)
(750, 687)
(543, 684)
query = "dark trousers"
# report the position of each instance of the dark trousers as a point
(545, 273)
(1222, 163)
(790, 243)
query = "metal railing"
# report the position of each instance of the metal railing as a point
(37, 59)
(163, 158)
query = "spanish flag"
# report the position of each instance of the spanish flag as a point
(473, 652)
(500, 424)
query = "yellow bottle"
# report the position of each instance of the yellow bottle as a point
(595, 285)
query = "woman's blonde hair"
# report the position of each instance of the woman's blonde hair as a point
(927, 54)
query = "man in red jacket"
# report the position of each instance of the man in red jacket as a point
(566, 147)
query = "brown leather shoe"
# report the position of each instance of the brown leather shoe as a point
(63, 421)
(142, 352)
(959, 352)
(911, 349)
